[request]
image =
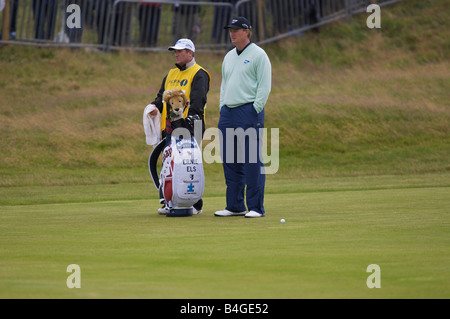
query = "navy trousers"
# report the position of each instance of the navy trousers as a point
(241, 153)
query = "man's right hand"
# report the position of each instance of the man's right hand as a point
(154, 111)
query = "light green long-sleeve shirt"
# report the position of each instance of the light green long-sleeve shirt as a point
(246, 78)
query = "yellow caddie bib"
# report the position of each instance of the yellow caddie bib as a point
(177, 79)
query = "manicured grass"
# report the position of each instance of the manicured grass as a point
(126, 250)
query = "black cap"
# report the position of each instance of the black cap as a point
(239, 23)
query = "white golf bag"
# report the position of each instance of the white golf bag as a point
(181, 179)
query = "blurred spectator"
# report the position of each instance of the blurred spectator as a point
(149, 19)
(114, 23)
(313, 14)
(185, 21)
(122, 24)
(13, 19)
(102, 8)
(290, 14)
(222, 15)
(250, 11)
(44, 18)
(283, 14)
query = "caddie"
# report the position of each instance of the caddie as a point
(195, 81)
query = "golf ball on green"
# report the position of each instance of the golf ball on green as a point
(282, 220)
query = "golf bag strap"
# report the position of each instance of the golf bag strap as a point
(153, 161)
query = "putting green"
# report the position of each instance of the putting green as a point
(125, 250)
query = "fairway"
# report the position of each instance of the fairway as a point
(125, 250)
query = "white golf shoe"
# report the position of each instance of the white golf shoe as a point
(253, 214)
(227, 213)
(162, 210)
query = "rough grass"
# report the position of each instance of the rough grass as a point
(348, 101)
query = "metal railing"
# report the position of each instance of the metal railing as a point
(157, 24)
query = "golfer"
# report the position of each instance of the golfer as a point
(194, 81)
(245, 88)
